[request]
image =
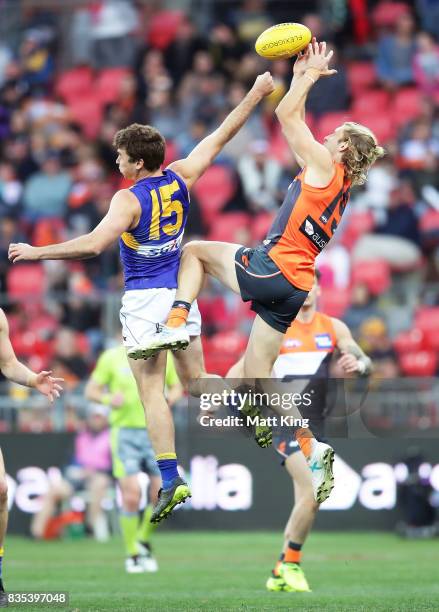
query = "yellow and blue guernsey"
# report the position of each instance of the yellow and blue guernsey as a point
(151, 252)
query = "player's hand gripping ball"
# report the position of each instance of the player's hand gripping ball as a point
(283, 40)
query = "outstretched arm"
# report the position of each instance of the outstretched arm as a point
(353, 359)
(290, 111)
(17, 372)
(197, 162)
(119, 218)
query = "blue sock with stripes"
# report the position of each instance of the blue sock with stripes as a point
(168, 468)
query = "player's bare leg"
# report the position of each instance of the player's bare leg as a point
(3, 525)
(150, 379)
(98, 485)
(288, 575)
(57, 492)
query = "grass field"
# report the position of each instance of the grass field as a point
(227, 571)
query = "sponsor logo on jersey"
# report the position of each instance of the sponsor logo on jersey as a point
(157, 250)
(314, 233)
(323, 341)
(292, 343)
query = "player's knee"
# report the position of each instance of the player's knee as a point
(3, 493)
(131, 499)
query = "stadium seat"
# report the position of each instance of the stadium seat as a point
(421, 363)
(260, 225)
(410, 341)
(357, 223)
(163, 27)
(226, 226)
(225, 349)
(429, 228)
(374, 273)
(213, 190)
(87, 113)
(75, 83)
(334, 301)
(361, 76)
(382, 125)
(427, 319)
(385, 14)
(369, 102)
(108, 83)
(406, 105)
(26, 281)
(328, 122)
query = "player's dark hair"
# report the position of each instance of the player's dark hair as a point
(142, 142)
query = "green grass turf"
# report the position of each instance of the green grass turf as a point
(227, 571)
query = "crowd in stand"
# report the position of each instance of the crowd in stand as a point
(65, 92)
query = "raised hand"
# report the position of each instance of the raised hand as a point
(318, 59)
(264, 84)
(47, 385)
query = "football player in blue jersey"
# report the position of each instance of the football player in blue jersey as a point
(149, 220)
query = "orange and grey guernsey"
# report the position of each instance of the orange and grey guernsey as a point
(305, 224)
(307, 348)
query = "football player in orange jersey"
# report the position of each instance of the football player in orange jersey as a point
(277, 275)
(307, 349)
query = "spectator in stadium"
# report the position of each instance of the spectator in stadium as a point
(87, 474)
(67, 359)
(11, 190)
(113, 24)
(46, 192)
(363, 306)
(260, 176)
(225, 48)
(375, 341)
(179, 55)
(396, 52)
(396, 235)
(419, 154)
(426, 64)
(330, 95)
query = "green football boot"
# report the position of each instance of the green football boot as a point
(294, 577)
(263, 433)
(276, 583)
(169, 498)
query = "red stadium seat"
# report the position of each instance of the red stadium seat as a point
(225, 349)
(361, 76)
(260, 225)
(421, 363)
(335, 301)
(382, 125)
(88, 114)
(429, 228)
(370, 101)
(171, 153)
(329, 122)
(25, 281)
(407, 105)
(75, 83)
(226, 227)
(213, 190)
(109, 82)
(410, 341)
(374, 273)
(427, 319)
(163, 28)
(357, 224)
(385, 14)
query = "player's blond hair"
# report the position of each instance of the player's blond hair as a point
(363, 150)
